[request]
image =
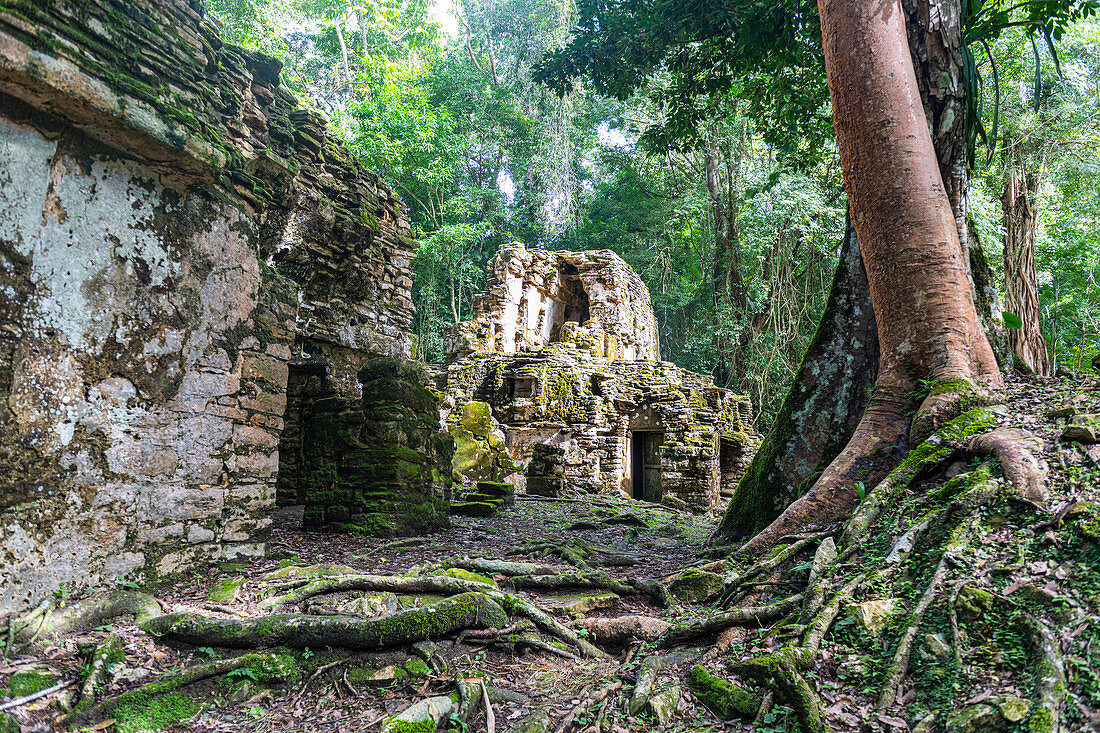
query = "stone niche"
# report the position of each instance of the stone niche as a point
(619, 419)
(183, 251)
(534, 298)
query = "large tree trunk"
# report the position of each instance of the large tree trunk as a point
(928, 328)
(1029, 348)
(822, 408)
(934, 29)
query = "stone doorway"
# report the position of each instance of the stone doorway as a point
(305, 384)
(730, 464)
(645, 464)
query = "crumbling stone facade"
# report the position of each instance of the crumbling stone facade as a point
(532, 296)
(624, 420)
(178, 241)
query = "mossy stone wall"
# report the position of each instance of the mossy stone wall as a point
(379, 465)
(175, 232)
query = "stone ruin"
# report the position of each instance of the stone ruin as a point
(561, 360)
(205, 313)
(194, 278)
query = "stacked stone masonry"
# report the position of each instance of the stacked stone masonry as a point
(178, 240)
(624, 421)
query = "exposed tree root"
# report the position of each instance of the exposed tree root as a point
(45, 622)
(577, 553)
(895, 673)
(174, 682)
(780, 672)
(623, 630)
(1050, 676)
(734, 580)
(882, 429)
(494, 566)
(593, 699)
(429, 584)
(936, 449)
(104, 656)
(516, 605)
(1018, 452)
(647, 675)
(593, 579)
(714, 623)
(467, 610)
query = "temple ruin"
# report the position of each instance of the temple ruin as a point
(193, 276)
(563, 351)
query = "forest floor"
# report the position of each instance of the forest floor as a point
(982, 663)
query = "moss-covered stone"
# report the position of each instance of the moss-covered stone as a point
(379, 465)
(474, 509)
(695, 586)
(422, 717)
(226, 590)
(29, 681)
(723, 698)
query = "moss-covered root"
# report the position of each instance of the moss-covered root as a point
(895, 673)
(931, 452)
(464, 611)
(1050, 678)
(141, 696)
(780, 672)
(432, 584)
(522, 607)
(734, 580)
(716, 622)
(493, 566)
(723, 698)
(650, 667)
(593, 579)
(105, 657)
(94, 611)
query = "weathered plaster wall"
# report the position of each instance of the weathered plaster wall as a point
(531, 297)
(174, 235)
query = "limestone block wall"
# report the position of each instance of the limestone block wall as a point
(176, 236)
(534, 298)
(589, 408)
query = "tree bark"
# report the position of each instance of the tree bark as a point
(928, 328)
(822, 408)
(934, 29)
(1029, 348)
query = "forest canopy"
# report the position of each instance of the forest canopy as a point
(692, 138)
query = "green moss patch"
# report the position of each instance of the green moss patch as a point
(140, 712)
(723, 698)
(29, 682)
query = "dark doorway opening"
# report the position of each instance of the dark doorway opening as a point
(306, 383)
(730, 464)
(573, 305)
(645, 464)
